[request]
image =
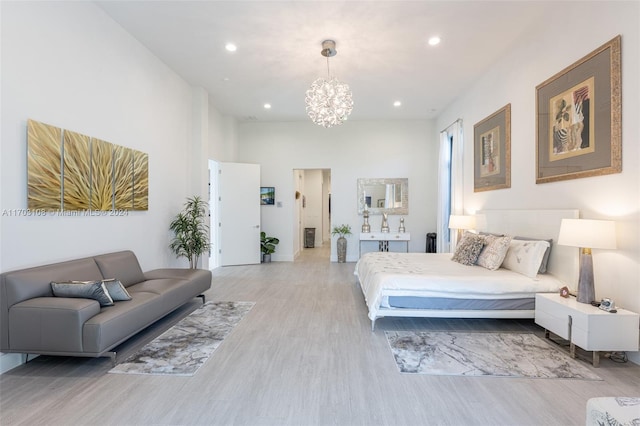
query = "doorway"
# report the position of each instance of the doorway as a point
(312, 212)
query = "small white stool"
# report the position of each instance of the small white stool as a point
(607, 411)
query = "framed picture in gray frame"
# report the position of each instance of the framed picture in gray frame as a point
(492, 151)
(578, 118)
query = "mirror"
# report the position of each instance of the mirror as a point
(389, 196)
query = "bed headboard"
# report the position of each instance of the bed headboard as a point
(544, 224)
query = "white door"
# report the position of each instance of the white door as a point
(239, 214)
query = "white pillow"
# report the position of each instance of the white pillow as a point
(494, 252)
(525, 257)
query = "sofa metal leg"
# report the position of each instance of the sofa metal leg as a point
(113, 356)
(202, 297)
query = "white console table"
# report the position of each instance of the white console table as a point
(383, 239)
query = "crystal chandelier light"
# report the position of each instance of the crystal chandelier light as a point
(329, 101)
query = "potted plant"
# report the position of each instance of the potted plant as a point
(190, 231)
(267, 246)
(342, 230)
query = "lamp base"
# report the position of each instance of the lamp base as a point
(586, 288)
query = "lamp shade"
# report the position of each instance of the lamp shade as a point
(587, 233)
(457, 221)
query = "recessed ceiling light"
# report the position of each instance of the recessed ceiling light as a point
(231, 47)
(267, 106)
(397, 104)
(434, 40)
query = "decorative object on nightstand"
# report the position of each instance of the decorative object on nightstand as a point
(402, 229)
(587, 234)
(461, 223)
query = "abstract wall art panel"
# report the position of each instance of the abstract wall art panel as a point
(44, 147)
(76, 171)
(140, 180)
(102, 175)
(123, 178)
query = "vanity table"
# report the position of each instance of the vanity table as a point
(384, 239)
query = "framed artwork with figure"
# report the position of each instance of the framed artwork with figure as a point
(578, 118)
(492, 151)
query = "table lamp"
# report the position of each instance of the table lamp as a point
(461, 222)
(587, 234)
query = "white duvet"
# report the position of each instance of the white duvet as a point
(384, 274)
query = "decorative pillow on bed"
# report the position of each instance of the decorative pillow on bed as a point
(545, 258)
(116, 290)
(468, 249)
(494, 252)
(83, 289)
(525, 257)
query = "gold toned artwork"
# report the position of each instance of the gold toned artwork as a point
(76, 171)
(68, 171)
(44, 187)
(140, 180)
(123, 178)
(102, 175)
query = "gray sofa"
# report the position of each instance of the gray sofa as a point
(33, 321)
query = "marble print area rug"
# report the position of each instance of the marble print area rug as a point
(483, 354)
(186, 346)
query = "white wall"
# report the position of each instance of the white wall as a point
(69, 65)
(513, 80)
(223, 143)
(357, 149)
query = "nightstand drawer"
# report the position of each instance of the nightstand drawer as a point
(554, 324)
(605, 331)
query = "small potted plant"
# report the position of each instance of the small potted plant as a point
(267, 246)
(341, 248)
(190, 231)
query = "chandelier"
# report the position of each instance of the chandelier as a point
(329, 101)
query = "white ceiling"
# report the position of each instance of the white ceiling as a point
(382, 49)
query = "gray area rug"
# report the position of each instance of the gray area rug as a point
(186, 346)
(483, 354)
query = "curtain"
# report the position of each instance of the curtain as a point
(450, 184)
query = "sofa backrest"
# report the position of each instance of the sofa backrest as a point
(122, 265)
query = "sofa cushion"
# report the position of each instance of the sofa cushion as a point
(117, 323)
(122, 265)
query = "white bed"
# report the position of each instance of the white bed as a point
(432, 285)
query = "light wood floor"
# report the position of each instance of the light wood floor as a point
(304, 355)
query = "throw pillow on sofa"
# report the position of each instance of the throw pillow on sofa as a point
(116, 290)
(84, 290)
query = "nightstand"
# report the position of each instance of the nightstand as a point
(587, 326)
